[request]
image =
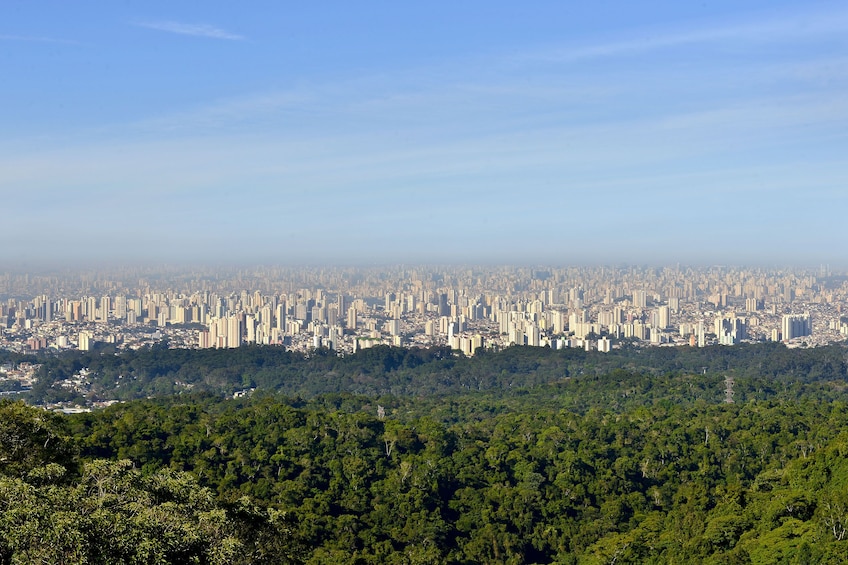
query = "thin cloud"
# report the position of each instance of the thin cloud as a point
(773, 30)
(195, 30)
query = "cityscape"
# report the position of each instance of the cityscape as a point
(463, 307)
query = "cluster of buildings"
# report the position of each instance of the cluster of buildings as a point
(467, 308)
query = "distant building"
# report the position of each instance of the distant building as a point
(796, 325)
(235, 328)
(663, 321)
(84, 341)
(730, 330)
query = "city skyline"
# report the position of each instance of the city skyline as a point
(464, 309)
(303, 308)
(481, 133)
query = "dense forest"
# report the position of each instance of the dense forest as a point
(553, 457)
(382, 370)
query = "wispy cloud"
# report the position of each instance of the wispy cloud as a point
(196, 30)
(772, 30)
(36, 39)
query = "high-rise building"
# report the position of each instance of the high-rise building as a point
(516, 335)
(44, 308)
(234, 331)
(444, 308)
(281, 316)
(477, 342)
(663, 317)
(302, 311)
(797, 325)
(674, 303)
(532, 334)
(120, 307)
(76, 311)
(558, 320)
(730, 330)
(91, 309)
(250, 328)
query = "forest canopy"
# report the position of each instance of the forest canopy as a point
(554, 458)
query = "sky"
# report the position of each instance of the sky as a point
(435, 132)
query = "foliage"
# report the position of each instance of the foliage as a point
(761, 370)
(521, 456)
(112, 513)
(758, 482)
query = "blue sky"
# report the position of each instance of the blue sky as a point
(542, 132)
